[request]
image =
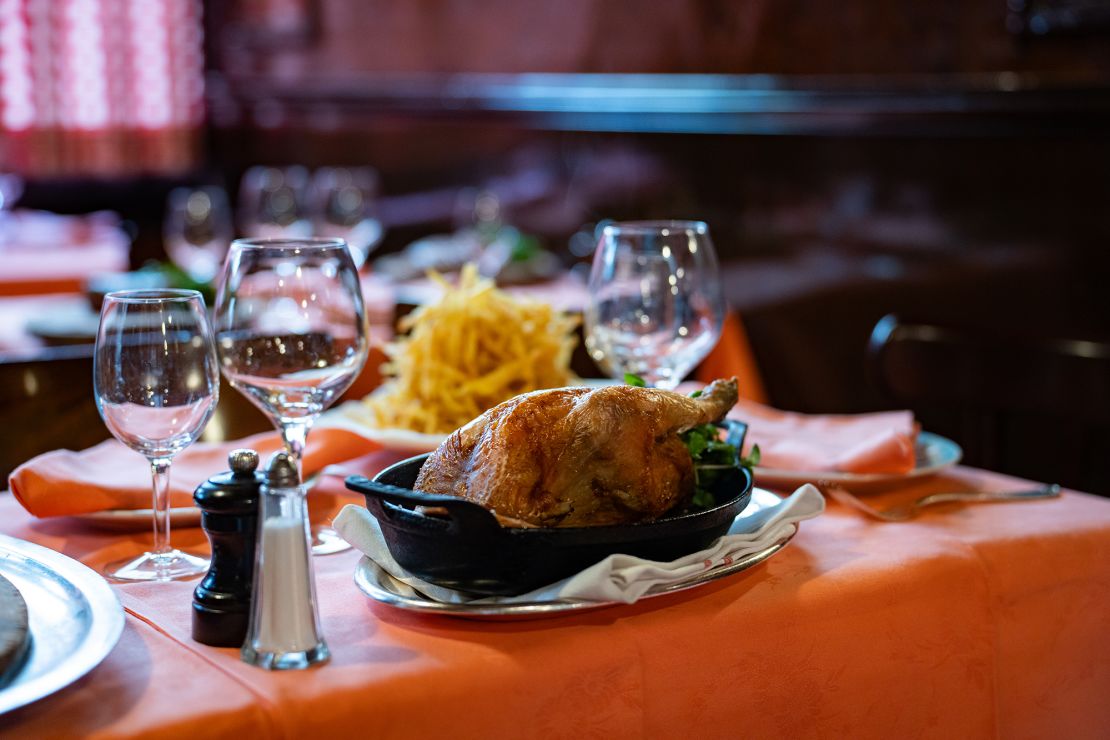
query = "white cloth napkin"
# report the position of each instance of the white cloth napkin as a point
(617, 577)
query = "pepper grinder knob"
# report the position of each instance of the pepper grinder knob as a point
(243, 461)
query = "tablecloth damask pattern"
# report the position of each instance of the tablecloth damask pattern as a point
(981, 621)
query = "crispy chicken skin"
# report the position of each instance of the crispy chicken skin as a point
(574, 457)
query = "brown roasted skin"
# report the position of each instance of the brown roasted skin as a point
(575, 457)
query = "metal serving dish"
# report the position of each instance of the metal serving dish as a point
(467, 550)
(74, 620)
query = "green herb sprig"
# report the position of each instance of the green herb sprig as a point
(634, 380)
(713, 457)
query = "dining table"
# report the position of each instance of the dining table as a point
(971, 621)
(43, 253)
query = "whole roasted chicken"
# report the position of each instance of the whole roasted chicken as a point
(573, 457)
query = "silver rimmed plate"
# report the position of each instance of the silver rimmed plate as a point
(74, 620)
(137, 520)
(933, 454)
(384, 588)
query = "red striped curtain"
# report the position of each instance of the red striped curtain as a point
(102, 88)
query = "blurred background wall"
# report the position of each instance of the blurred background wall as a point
(945, 160)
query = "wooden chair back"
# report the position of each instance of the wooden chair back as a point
(1034, 407)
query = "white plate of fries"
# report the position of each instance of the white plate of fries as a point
(458, 357)
(351, 416)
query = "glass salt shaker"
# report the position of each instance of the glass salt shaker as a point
(285, 624)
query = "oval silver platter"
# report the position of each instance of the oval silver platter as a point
(74, 620)
(384, 588)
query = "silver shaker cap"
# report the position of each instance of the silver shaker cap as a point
(282, 471)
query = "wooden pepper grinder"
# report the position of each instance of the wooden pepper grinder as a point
(229, 515)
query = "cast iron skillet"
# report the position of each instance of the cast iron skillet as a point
(469, 551)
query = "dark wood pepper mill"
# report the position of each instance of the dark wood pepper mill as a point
(229, 515)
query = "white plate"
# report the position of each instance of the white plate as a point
(346, 416)
(384, 588)
(133, 520)
(74, 618)
(933, 453)
(402, 440)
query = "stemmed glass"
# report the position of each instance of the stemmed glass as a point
(656, 305)
(272, 202)
(197, 230)
(156, 382)
(345, 205)
(291, 334)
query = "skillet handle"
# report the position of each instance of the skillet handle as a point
(467, 517)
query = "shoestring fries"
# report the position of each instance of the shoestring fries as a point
(474, 348)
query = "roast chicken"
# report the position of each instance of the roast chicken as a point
(573, 457)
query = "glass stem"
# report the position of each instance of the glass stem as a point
(295, 435)
(160, 474)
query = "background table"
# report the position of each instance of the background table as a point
(981, 621)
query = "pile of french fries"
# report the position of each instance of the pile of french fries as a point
(474, 348)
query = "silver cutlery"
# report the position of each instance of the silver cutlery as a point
(909, 511)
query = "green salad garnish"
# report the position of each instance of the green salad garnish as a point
(713, 457)
(636, 380)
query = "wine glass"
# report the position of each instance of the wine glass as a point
(345, 206)
(197, 230)
(156, 382)
(291, 334)
(272, 202)
(656, 307)
(11, 187)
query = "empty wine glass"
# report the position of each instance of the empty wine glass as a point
(272, 202)
(656, 307)
(197, 230)
(345, 206)
(11, 187)
(156, 382)
(291, 334)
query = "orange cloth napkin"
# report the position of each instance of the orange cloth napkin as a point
(112, 476)
(880, 442)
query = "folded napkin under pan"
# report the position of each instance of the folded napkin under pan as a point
(617, 578)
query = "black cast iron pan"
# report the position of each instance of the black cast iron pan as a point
(469, 551)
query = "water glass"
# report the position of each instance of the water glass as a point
(345, 205)
(156, 382)
(197, 230)
(273, 202)
(291, 333)
(656, 304)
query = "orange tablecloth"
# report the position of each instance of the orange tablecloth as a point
(981, 621)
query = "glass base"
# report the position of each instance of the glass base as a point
(272, 661)
(164, 566)
(326, 541)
